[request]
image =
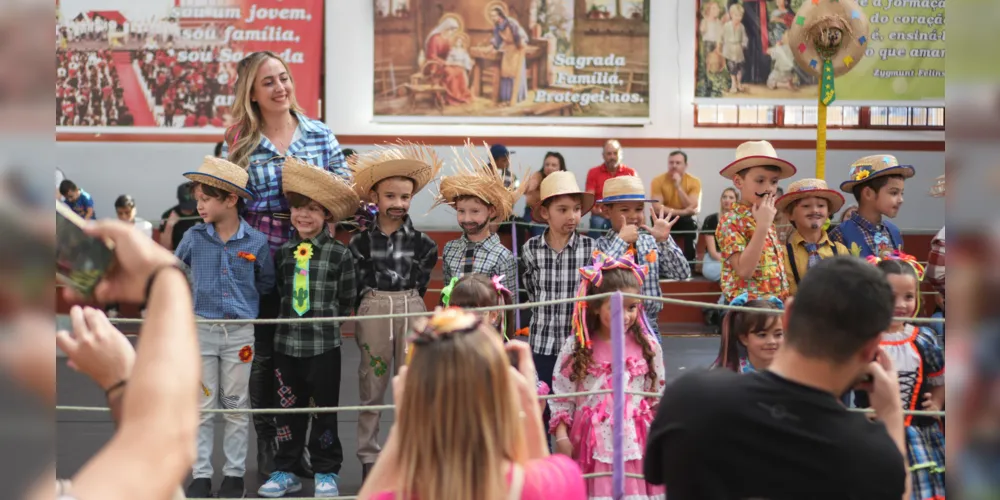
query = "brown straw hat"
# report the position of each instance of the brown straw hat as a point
(222, 174)
(413, 161)
(623, 189)
(476, 177)
(873, 166)
(558, 184)
(329, 190)
(757, 154)
(810, 188)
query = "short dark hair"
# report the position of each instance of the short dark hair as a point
(296, 200)
(679, 152)
(218, 149)
(125, 201)
(66, 186)
(876, 184)
(842, 303)
(769, 168)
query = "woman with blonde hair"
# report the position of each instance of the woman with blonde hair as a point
(268, 125)
(467, 422)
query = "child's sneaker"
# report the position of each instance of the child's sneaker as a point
(326, 486)
(232, 487)
(199, 488)
(280, 484)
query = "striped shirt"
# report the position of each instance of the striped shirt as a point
(552, 275)
(229, 277)
(665, 260)
(487, 257)
(393, 262)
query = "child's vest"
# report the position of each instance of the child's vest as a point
(795, 267)
(853, 235)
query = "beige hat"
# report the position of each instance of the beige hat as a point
(624, 188)
(837, 30)
(810, 188)
(476, 177)
(873, 166)
(222, 174)
(413, 161)
(329, 190)
(757, 154)
(558, 184)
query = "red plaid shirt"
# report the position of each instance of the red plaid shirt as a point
(935, 263)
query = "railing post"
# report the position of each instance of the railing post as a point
(618, 396)
(517, 278)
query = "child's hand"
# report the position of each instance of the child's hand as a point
(928, 404)
(564, 446)
(629, 233)
(764, 212)
(662, 225)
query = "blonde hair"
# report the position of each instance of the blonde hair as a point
(244, 135)
(458, 420)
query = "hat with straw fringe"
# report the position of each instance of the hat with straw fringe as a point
(329, 190)
(223, 175)
(477, 177)
(416, 162)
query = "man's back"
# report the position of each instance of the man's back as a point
(724, 436)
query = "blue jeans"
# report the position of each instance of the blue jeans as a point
(598, 226)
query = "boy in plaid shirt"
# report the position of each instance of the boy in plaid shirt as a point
(315, 278)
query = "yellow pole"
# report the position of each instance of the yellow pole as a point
(821, 138)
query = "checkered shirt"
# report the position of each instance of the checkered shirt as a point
(489, 257)
(869, 231)
(392, 263)
(551, 275)
(332, 292)
(665, 260)
(935, 263)
(226, 282)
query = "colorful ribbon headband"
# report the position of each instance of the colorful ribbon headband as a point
(593, 275)
(742, 299)
(446, 291)
(445, 324)
(897, 255)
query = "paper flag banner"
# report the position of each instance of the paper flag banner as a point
(848, 61)
(855, 14)
(802, 48)
(801, 21)
(813, 63)
(863, 40)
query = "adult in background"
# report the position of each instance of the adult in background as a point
(612, 167)
(179, 218)
(268, 125)
(680, 192)
(553, 162)
(783, 433)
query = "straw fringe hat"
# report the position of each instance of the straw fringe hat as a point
(403, 159)
(757, 154)
(624, 189)
(873, 166)
(810, 188)
(329, 190)
(223, 175)
(475, 177)
(558, 184)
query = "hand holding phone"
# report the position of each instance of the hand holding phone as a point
(81, 259)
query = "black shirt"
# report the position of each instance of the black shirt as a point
(708, 228)
(181, 226)
(722, 436)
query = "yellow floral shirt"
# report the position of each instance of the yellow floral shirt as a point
(769, 279)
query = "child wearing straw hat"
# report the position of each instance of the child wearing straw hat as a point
(315, 279)
(480, 196)
(877, 183)
(231, 267)
(393, 263)
(753, 261)
(809, 204)
(624, 203)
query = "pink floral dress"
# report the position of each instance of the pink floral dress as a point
(589, 418)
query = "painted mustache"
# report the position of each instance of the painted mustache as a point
(765, 193)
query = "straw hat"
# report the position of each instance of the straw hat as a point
(809, 188)
(873, 166)
(937, 190)
(329, 190)
(757, 154)
(222, 174)
(829, 29)
(414, 161)
(480, 178)
(623, 189)
(557, 184)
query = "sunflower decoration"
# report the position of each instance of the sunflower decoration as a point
(862, 173)
(304, 251)
(246, 354)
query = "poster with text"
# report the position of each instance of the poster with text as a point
(512, 61)
(743, 53)
(170, 66)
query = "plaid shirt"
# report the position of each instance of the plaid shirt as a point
(551, 275)
(489, 257)
(935, 263)
(313, 143)
(665, 260)
(392, 263)
(229, 277)
(332, 292)
(869, 231)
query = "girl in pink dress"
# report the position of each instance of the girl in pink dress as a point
(583, 424)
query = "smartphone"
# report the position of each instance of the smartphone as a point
(81, 259)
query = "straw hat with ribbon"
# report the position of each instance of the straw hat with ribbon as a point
(329, 190)
(223, 175)
(624, 189)
(873, 166)
(757, 154)
(413, 161)
(558, 184)
(477, 177)
(810, 188)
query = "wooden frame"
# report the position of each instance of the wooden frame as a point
(864, 121)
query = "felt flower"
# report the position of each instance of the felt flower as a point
(249, 257)
(303, 252)
(246, 354)
(862, 173)
(651, 257)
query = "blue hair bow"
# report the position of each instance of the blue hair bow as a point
(742, 299)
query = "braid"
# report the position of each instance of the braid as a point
(581, 360)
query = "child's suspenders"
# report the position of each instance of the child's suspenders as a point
(795, 267)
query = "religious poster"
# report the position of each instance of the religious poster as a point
(512, 61)
(744, 53)
(170, 66)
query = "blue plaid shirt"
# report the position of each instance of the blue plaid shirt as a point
(315, 144)
(227, 284)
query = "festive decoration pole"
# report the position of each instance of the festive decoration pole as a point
(618, 397)
(517, 285)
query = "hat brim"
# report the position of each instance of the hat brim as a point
(335, 196)
(419, 172)
(835, 199)
(907, 171)
(217, 182)
(586, 205)
(787, 169)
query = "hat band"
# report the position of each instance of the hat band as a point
(625, 197)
